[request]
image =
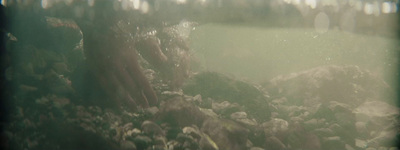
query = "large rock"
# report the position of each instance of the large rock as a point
(222, 88)
(345, 84)
(177, 111)
(380, 121)
(377, 112)
(226, 134)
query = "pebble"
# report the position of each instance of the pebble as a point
(256, 148)
(239, 115)
(323, 132)
(311, 124)
(361, 127)
(142, 142)
(127, 145)
(192, 131)
(348, 147)
(152, 129)
(361, 143)
(274, 143)
(207, 143)
(152, 110)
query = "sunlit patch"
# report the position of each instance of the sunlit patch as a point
(46, 4)
(368, 8)
(136, 4)
(389, 7)
(296, 2)
(181, 1)
(4, 2)
(287, 1)
(321, 23)
(311, 3)
(203, 2)
(144, 8)
(91, 3)
(386, 7)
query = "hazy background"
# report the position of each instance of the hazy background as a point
(257, 53)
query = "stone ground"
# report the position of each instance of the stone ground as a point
(52, 106)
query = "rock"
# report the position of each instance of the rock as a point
(311, 141)
(361, 143)
(346, 120)
(350, 85)
(186, 141)
(332, 143)
(152, 129)
(336, 128)
(361, 128)
(209, 113)
(192, 131)
(256, 148)
(296, 119)
(172, 144)
(345, 130)
(275, 127)
(323, 111)
(239, 115)
(207, 143)
(142, 142)
(384, 138)
(181, 113)
(60, 68)
(222, 88)
(160, 143)
(273, 143)
(226, 134)
(127, 145)
(311, 124)
(171, 94)
(27, 88)
(151, 110)
(382, 148)
(376, 112)
(324, 132)
(339, 107)
(225, 108)
(348, 147)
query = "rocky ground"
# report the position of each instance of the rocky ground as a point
(329, 107)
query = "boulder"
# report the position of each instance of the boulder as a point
(226, 133)
(223, 88)
(349, 84)
(180, 112)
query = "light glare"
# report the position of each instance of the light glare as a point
(136, 4)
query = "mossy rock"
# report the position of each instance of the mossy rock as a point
(222, 88)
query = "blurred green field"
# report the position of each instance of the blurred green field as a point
(258, 54)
